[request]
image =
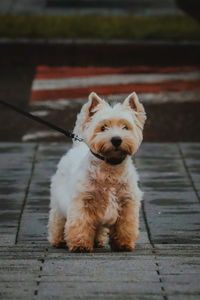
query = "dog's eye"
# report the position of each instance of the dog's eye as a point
(103, 128)
(125, 127)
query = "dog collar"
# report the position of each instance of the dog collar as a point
(111, 160)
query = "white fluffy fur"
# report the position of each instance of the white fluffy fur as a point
(71, 179)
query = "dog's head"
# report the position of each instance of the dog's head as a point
(112, 131)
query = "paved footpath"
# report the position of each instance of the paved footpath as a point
(166, 262)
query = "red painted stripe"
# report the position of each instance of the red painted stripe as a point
(116, 89)
(46, 72)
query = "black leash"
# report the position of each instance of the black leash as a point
(111, 160)
(39, 120)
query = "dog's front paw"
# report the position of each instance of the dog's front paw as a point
(80, 249)
(58, 244)
(122, 248)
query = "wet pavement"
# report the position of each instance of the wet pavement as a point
(165, 264)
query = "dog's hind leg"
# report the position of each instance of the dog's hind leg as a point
(100, 237)
(56, 228)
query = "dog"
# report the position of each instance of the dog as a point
(94, 191)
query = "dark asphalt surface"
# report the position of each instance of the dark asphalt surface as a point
(166, 122)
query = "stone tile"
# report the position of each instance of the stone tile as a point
(179, 249)
(191, 156)
(143, 238)
(181, 296)
(18, 278)
(169, 200)
(22, 252)
(98, 266)
(97, 275)
(184, 265)
(162, 174)
(158, 150)
(83, 290)
(17, 290)
(35, 217)
(15, 270)
(177, 214)
(180, 274)
(16, 164)
(190, 150)
(189, 287)
(193, 166)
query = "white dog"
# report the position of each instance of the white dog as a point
(94, 191)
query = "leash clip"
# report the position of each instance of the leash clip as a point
(77, 138)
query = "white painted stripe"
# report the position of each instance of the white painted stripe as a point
(170, 97)
(40, 113)
(53, 84)
(160, 98)
(146, 98)
(39, 134)
(53, 104)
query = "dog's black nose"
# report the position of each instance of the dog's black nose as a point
(116, 141)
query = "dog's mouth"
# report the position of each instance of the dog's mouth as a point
(116, 152)
(108, 150)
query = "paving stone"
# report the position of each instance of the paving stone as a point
(18, 278)
(178, 216)
(158, 150)
(143, 238)
(17, 290)
(121, 275)
(19, 270)
(162, 174)
(35, 218)
(191, 152)
(16, 164)
(179, 265)
(178, 249)
(22, 252)
(180, 274)
(99, 268)
(169, 200)
(181, 296)
(97, 289)
(188, 287)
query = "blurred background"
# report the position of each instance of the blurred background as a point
(53, 53)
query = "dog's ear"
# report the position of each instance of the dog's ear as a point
(132, 102)
(87, 111)
(94, 101)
